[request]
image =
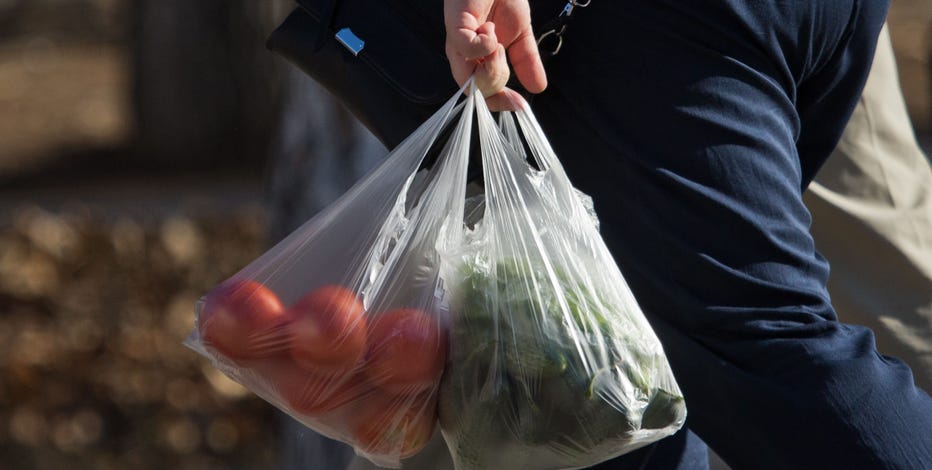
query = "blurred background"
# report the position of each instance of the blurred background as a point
(148, 150)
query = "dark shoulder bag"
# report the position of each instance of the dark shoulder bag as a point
(385, 59)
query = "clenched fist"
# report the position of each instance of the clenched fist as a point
(480, 34)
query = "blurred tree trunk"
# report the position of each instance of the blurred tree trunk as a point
(205, 89)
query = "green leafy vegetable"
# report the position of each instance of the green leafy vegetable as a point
(542, 367)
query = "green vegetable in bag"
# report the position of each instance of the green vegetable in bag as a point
(538, 361)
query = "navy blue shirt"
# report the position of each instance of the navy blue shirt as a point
(695, 126)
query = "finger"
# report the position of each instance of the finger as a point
(461, 67)
(485, 41)
(506, 100)
(463, 55)
(492, 73)
(473, 43)
(463, 21)
(525, 58)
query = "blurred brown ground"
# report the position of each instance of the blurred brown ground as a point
(100, 265)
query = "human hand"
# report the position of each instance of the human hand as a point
(479, 35)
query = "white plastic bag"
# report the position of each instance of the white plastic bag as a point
(552, 364)
(341, 324)
(502, 312)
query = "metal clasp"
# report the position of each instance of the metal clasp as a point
(563, 17)
(568, 9)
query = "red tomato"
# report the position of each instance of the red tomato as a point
(396, 425)
(327, 329)
(406, 351)
(313, 394)
(242, 320)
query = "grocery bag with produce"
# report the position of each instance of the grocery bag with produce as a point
(494, 308)
(341, 324)
(552, 364)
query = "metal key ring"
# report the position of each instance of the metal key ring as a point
(558, 33)
(555, 33)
